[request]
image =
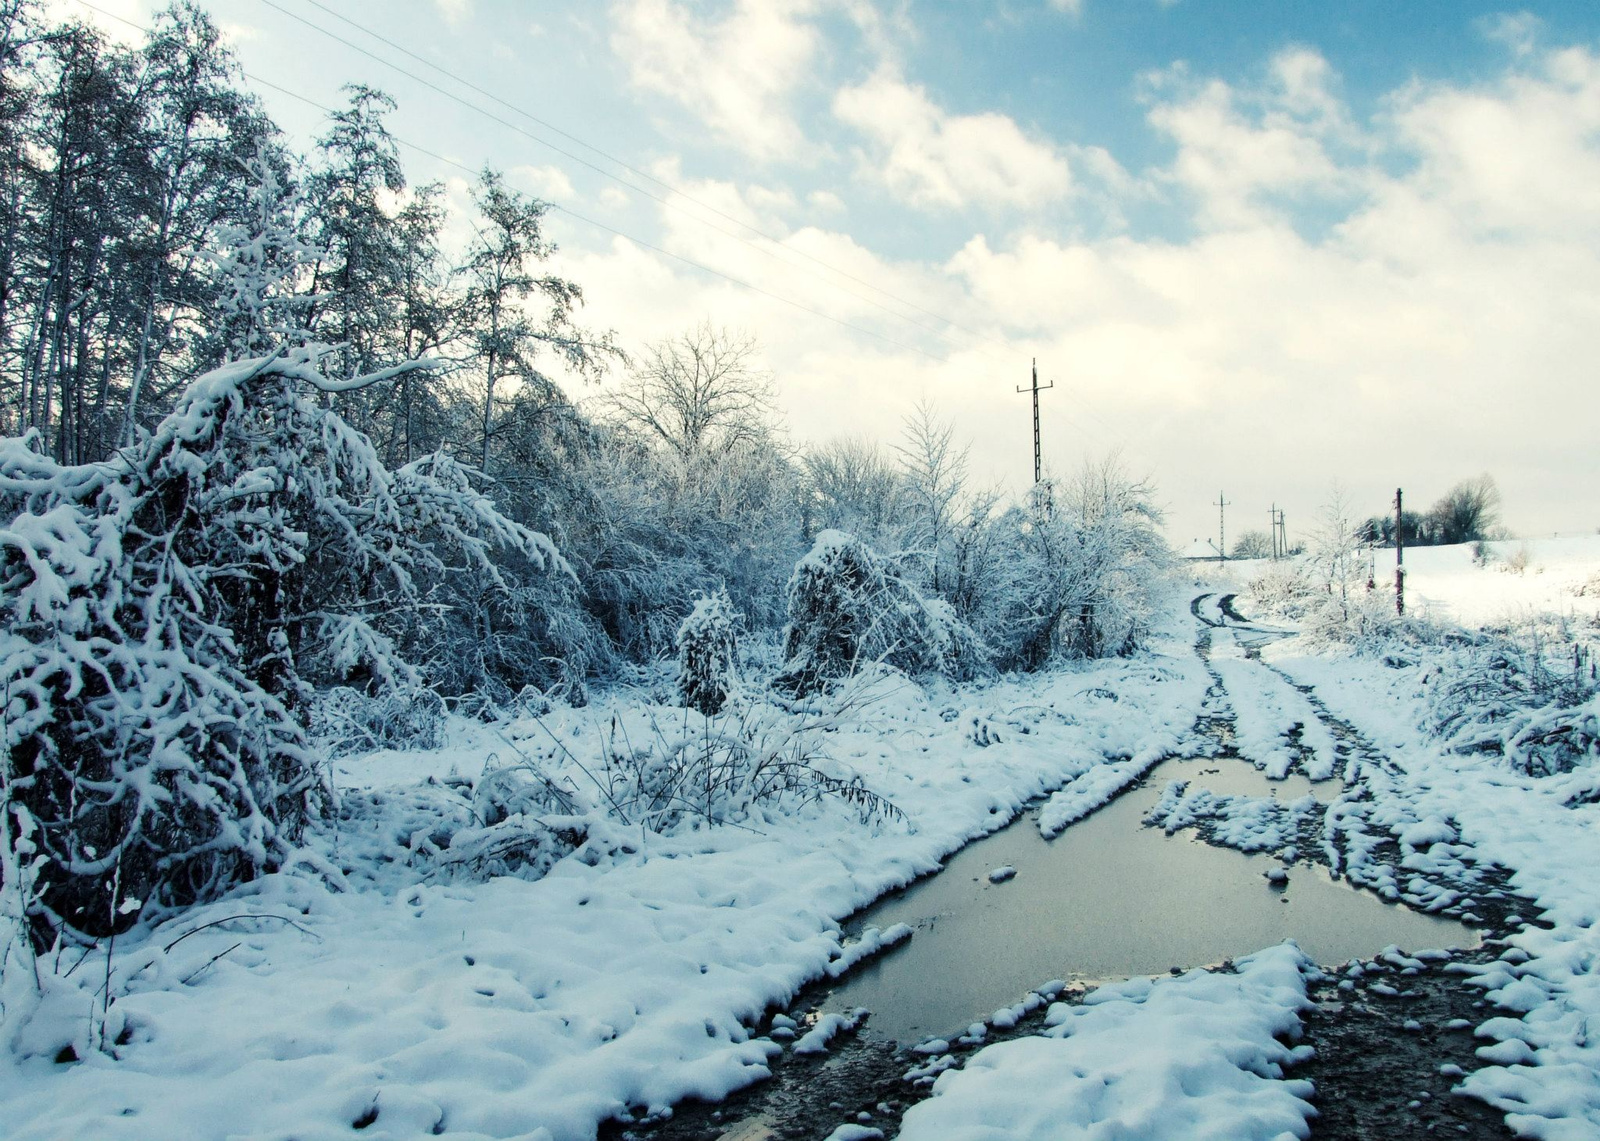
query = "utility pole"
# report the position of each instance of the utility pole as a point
(1222, 527)
(1399, 556)
(1038, 470)
(1272, 514)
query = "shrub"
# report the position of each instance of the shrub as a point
(846, 608)
(707, 653)
(167, 613)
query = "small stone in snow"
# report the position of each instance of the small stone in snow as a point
(1277, 877)
(1451, 1070)
(1459, 1024)
(932, 1046)
(1001, 874)
(1411, 1024)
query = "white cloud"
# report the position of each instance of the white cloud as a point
(1518, 31)
(1444, 321)
(1244, 152)
(121, 20)
(1071, 7)
(826, 201)
(548, 182)
(453, 11)
(737, 74)
(614, 197)
(932, 159)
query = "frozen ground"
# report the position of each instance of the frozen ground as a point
(383, 995)
(378, 987)
(1558, 575)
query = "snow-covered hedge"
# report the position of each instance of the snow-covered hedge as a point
(708, 653)
(847, 608)
(166, 615)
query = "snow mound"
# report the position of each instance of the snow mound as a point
(1196, 1058)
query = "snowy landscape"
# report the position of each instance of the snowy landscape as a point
(432, 712)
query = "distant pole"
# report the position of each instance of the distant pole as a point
(1222, 527)
(1273, 530)
(1038, 467)
(1399, 556)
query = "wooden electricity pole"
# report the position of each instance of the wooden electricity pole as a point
(1399, 556)
(1273, 530)
(1222, 527)
(1038, 470)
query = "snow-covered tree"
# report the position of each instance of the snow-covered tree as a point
(1079, 571)
(506, 334)
(934, 470)
(847, 609)
(263, 268)
(850, 485)
(166, 613)
(708, 649)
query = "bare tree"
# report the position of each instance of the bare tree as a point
(852, 486)
(1468, 511)
(935, 470)
(699, 394)
(1252, 545)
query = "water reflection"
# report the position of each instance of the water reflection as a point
(1109, 899)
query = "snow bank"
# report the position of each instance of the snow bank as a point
(1247, 823)
(1543, 1060)
(623, 981)
(1195, 1058)
(1157, 707)
(1275, 727)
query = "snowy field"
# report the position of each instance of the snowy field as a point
(368, 989)
(1516, 577)
(378, 987)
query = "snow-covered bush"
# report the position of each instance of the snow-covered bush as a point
(847, 608)
(1527, 693)
(717, 770)
(167, 613)
(1282, 589)
(1078, 574)
(347, 720)
(708, 649)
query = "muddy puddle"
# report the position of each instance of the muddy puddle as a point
(1108, 899)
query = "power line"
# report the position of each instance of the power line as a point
(568, 211)
(675, 189)
(662, 200)
(618, 233)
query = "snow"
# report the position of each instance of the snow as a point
(1248, 823)
(627, 978)
(374, 980)
(1543, 1064)
(1269, 712)
(1193, 1058)
(1450, 584)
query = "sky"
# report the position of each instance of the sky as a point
(1260, 249)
